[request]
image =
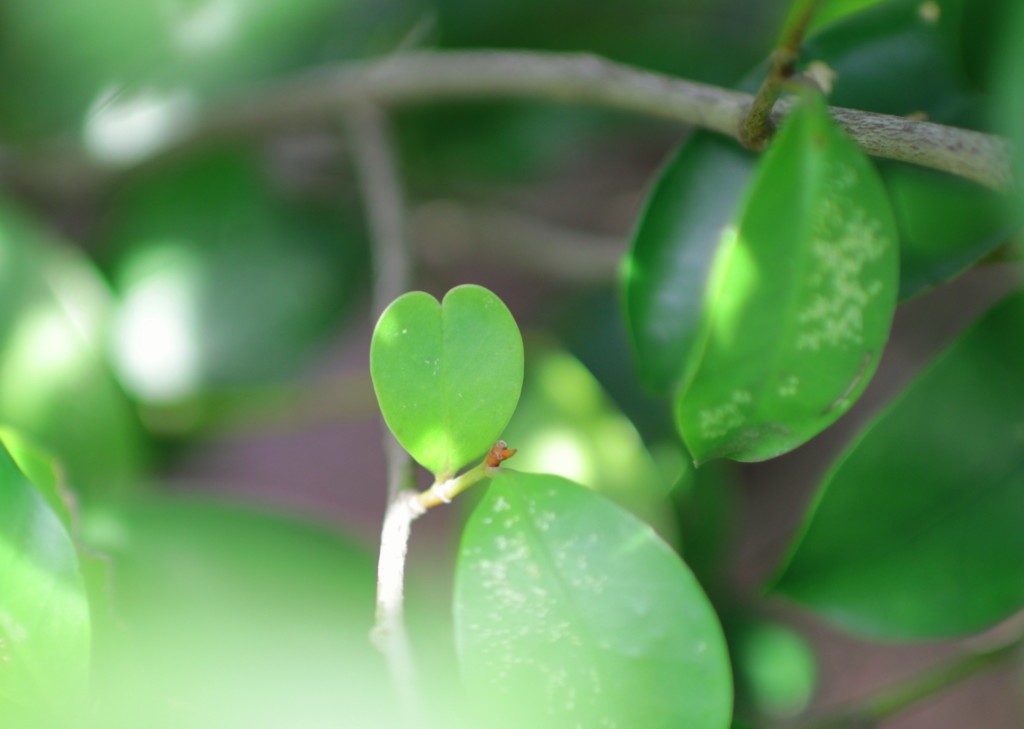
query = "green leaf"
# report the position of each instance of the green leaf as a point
(676, 241)
(1011, 101)
(44, 612)
(945, 224)
(571, 612)
(916, 533)
(447, 375)
(802, 295)
(230, 616)
(56, 386)
(776, 670)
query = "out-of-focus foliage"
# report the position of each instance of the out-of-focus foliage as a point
(223, 281)
(45, 627)
(258, 619)
(566, 425)
(55, 382)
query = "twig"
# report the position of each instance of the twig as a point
(445, 230)
(757, 127)
(389, 630)
(426, 76)
(379, 182)
(875, 709)
(375, 162)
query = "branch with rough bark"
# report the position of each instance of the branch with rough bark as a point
(426, 76)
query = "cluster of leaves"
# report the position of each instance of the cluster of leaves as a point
(758, 294)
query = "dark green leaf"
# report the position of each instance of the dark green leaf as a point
(678, 237)
(44, 612)
(571, 612)
(1011, 100)
(916, 533)
(447, 375)
(801, 298)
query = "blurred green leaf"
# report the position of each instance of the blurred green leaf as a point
(55, 385)
(448, 375)
(231, 617)
(45, 628)
(834, 10)
(1010, 108)
(566, 425)
(706, 505)
(571, 612)
(797, 311)
(223, 282)
(776, 670)
(916, 533)
(131, 69)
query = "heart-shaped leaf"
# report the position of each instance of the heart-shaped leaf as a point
(917, 533)
(447, 375)
(801, 297)
(569, 611)
(44, 612)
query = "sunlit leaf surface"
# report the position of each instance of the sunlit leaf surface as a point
(571, 612)
(800, 301)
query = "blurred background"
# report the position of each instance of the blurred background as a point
(186, 318)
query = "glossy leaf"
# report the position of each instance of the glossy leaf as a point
(916, 533)
(678, 237)
(571, 612)
(802, 295)
(447, 375)
(45, 627)
(945, 224)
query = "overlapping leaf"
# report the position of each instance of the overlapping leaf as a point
(916, 533)
(802, 294)
(946, 224)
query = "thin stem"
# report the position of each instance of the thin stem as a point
(427, 76)
(389, 630)
(757, 128)
(442, 492)
(377, 171)
(875, 709)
